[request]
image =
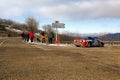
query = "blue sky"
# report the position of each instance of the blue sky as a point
(79, 16)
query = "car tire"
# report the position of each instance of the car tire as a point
(101, 44)
(77, 45)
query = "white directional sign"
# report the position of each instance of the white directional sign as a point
(58, 25)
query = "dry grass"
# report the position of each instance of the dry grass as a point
(20, 61)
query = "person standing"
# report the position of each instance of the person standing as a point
(31, 35)
(44, 37)
(27, 36)
(23, 36)
(50, 37)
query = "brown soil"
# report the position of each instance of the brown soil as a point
(22, 61)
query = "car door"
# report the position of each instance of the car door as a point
(96, 42)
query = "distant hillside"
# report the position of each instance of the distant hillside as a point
(8, 32)
(3, 33)
(111, 37)
(6, 23)
(102, 36)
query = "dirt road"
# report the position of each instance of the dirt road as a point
(21, 61)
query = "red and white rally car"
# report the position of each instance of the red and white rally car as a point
(88, 42)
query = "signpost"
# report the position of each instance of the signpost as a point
(57, 25)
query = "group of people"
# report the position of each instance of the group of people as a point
(26, 36)
(43, 37)
(47, 37)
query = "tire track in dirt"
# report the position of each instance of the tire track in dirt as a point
(1, 43)
(96, 60)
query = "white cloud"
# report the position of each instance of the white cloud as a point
(12, 12)
(62, 9)
(91, 9)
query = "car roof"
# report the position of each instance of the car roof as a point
(89, 38)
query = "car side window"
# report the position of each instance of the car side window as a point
(96, 41)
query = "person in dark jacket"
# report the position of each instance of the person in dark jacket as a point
(27, 36)
(23, 36)
(51, 37)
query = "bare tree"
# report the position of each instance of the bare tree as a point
(48, 28)
(32, 24)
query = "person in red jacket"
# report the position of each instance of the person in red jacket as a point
(31, 35)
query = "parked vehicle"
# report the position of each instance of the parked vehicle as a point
(88, 42)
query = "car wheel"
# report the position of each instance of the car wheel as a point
(77, 45)
(101, 45)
